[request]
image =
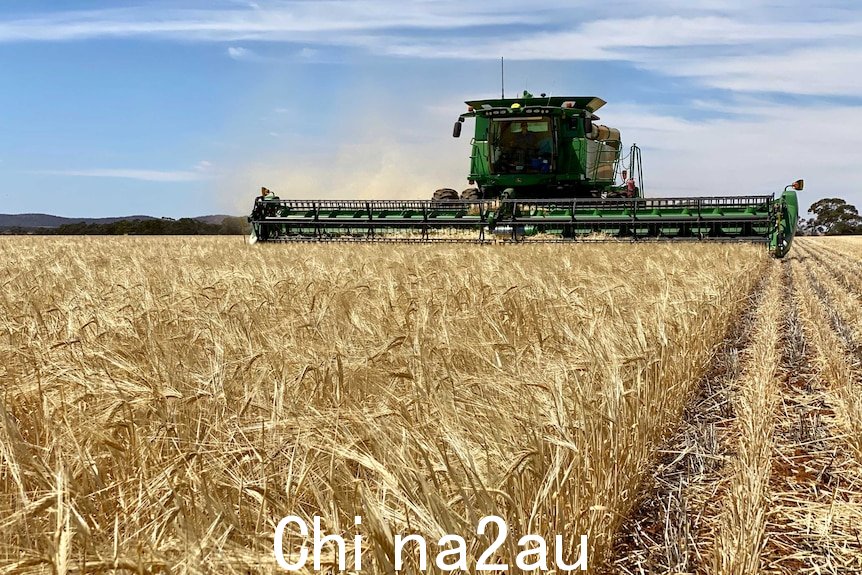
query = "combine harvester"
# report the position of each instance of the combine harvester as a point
(543, 170)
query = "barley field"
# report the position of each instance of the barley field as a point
(689, 408)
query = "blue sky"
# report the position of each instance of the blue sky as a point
(188, 107)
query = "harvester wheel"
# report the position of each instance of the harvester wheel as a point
(444, 195)
(471, 194)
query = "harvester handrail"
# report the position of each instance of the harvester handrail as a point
(670, 200)
(603, 202)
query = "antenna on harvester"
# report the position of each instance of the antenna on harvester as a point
(502, 80)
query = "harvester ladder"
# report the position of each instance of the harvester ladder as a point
(636, 167)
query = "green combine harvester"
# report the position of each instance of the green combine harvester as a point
(541, 169)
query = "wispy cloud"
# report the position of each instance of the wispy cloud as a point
(286, 21)
(240, 53)
(828, 70)
(547, 33)
(812, 58)
(625, 39)
(133, 174)
(729, 44)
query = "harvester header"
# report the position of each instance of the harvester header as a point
(541, 169)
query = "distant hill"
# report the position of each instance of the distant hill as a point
(35, 221)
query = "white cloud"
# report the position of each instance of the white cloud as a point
(810, 71)
(131, 174)
(653, 31)
(759, 153)
(755, 45)
(625, 39)
(671, 23)
(239, 53)
(291, 21)
(813, 58)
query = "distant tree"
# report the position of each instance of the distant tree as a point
(834, 217)
(805, 227)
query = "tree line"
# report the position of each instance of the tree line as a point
(153, 227)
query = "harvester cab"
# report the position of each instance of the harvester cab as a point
(541, 168)
(544, 147)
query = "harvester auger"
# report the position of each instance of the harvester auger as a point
(542, 169)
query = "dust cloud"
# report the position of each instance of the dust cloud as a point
(375, 158)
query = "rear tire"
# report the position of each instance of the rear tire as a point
(445, 195)
(471, 194)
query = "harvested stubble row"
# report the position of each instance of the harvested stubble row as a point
(740, 528)
(167, 401)
(834, 322)
(708, 507)
(816, 484)
(848, 246)
(846, 268)
(835, 279)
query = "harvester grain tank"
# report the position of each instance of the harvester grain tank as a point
(541, 169)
